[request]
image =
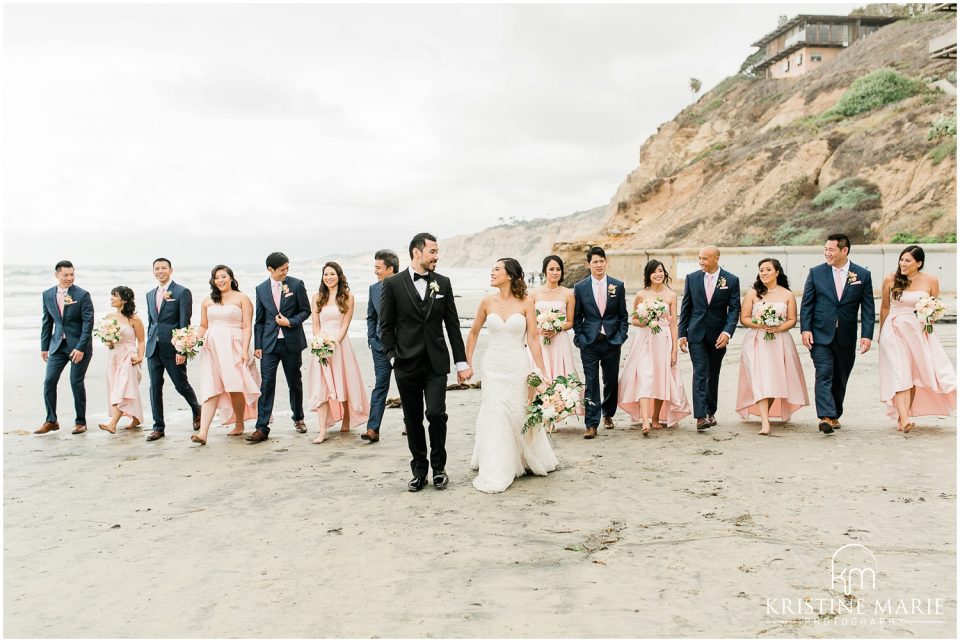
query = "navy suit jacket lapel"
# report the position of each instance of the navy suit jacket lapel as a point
(52, 304)
(152, 304)
(163, 301)
(266, 292)
(591, 297)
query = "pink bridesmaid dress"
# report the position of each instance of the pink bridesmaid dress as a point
(910, 357)
(558, 355)
(647, 374)
(123, 378)
(770, 370)
(223, 367)
(339, 381)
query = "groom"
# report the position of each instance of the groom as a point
(282, 307)
(415, 306)
(600, 326)
(832, 295)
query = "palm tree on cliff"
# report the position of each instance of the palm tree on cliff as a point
(695, 85)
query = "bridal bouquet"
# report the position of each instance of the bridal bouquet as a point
(554, 402)
(322, 348)
(929, 310)
(108, 331)
(649, 312)
(550, 320)
(767, 316)
(186, 342)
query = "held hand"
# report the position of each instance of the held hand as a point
(258, 354)
(180, 359)
(43, 355)
(682, 342)
(465, 375)
(807, 338)
(76, 356)
(136, 360)
(283, 321)
(865, 345)
(721, 342)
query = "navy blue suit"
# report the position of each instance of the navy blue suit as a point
(600, 352)
(295, 306)
(175, 311)
(59, 336)
(702, 323)
(833, 323)
(381, 364)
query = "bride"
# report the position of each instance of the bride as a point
(501, 453)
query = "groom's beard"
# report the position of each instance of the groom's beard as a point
(427, 266)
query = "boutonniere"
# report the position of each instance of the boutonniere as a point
(68, 300)
(285, 288)
(167, 295)
(852, 277)
(722, 282)
(434, 287)
(611, 290)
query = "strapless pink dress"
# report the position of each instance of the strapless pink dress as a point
(647, 374)
(558, 355)
(909, 357)
(223, 367)
(123, 378)
(339, 381)
(770, 370)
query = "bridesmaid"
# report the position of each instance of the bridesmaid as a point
(336, 389)
(123, 372)
(229, 382)
(650, 386)
(558, 354)
(916, 376)
(771, 381)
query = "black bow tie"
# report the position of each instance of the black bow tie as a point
(417, 277)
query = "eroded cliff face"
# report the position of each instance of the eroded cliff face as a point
(746, 164)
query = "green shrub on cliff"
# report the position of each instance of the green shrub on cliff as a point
(876, 89)
(848, 194)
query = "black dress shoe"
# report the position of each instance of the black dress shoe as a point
(416, 484)
(825, 427)
(711, 420)
(440, 480)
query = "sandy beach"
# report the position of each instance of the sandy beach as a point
(677, 535)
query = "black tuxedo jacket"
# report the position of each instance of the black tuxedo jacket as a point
(410, 326)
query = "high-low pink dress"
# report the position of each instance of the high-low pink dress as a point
(123, 378)
(223, 367)
(910, 357)
(339, 381)
(770, 370)
(647, 374)
(558, 354)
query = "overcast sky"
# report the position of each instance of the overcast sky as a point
(222, 132)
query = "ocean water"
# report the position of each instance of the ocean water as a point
(23, 285)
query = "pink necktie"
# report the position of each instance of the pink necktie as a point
(61, 294)
(838, 281)
(160, 292)
(276, 294)
(709, 288)
(601, 298)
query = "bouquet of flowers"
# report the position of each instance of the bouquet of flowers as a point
(322, 348)
(649, 312)
(554, 402)
(108, 331)
(550, 320)
(929, 310)
(186, 342)
(767, 316)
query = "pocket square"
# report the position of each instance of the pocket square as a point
(287, 295)
(438, 296)
(855, 283)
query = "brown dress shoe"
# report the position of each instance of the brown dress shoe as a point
(591, 433)
(47, 427)
(712, 420)
(301, 426)
(702, 423)
(608, 423)
(257, 437)
(371, 436)
(78, 429)
(154, 435)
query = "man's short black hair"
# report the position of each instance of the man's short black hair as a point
(596, 250)
(62, 264)
(389, 258)
(277, 260)
(420, 241)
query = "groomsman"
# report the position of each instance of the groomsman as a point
(386, 263)
(169, 306)
(66, 336)
(282, 307)
(600, 326)
(708, 316)
(833, 294)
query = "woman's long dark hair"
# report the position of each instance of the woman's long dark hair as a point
(650, 268)
(782, 280)
(900, 280)
(343, 289)
(546, 264)
(215, 295)
(518, 285)
(126, 295)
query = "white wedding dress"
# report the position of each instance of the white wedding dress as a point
(501, 453)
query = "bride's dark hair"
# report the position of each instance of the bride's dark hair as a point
(215, 295)
(518, 286)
